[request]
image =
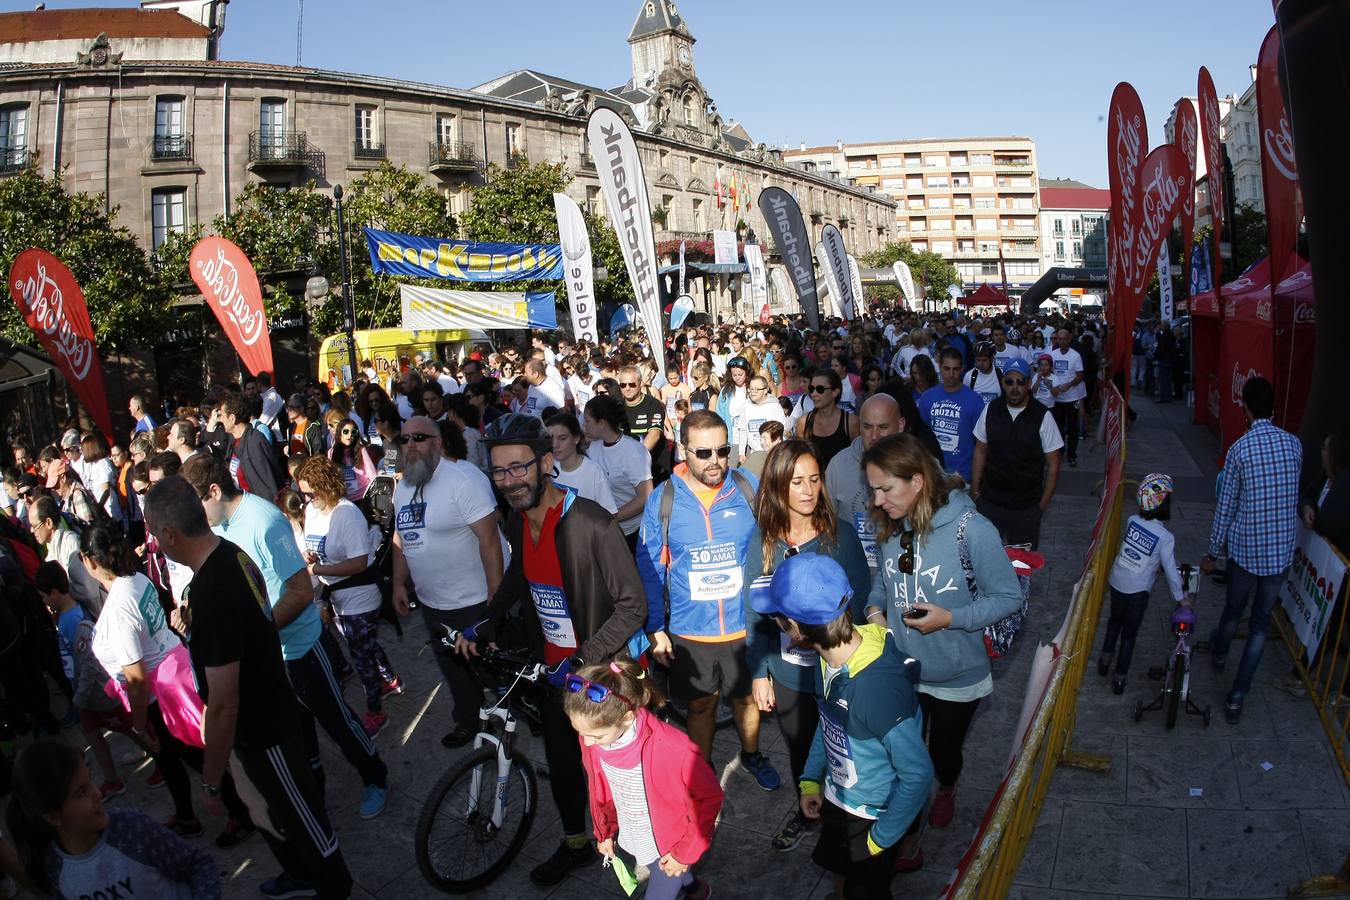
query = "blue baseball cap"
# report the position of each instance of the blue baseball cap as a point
(1018, 365)
(807, 588)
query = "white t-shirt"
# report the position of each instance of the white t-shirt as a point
(589, 481)
(756, 414)
(1007, 355)
(1050, 436)
(98, 476)
(541, 396)
(1065, 364)
(626, 464)
(1145, 547)
(337, 535)
(434, 530)
(132, 627)
(985, 384)
(448, 384)
(582, 392)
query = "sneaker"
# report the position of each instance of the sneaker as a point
(235, 833)
(563, 861)
(944, 808)
(1232, 712)
(111, 789)
(183, 827)
(758, 765)
(698, 890)
(1118, 686)
(904, 865)
(284, 886)
(372, 800)
(156, 779)
(392, 686)
(792, 832)
(373, 723)
(1291, 685)
(459, 737)
(1073, 462)
(1103, 665)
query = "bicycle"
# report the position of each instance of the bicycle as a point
(478, 816)
(1176, 675)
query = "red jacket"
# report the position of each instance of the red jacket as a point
(683, 795)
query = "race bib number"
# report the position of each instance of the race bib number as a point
(1061, 367)
(867, 534)
(795, 655)
(838, 754)
(317, 544)
(670, 406)
(554, 616)
(234, 470)
(1138, 546)
(752, 435)
(714, 572)
(411, 523)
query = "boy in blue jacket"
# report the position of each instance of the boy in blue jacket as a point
(868, 759)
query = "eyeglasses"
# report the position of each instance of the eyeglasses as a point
(349, 431)
(404, 439)
(907, 552)
(789, 367)
(722, 452)
(596, 693)
(820, 388)
(1014, 382)
(515, 470)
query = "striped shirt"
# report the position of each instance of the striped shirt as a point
(1256, 520)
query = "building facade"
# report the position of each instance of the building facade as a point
(1073, 225)
(969, 200)
(144, 113)
(1242, 136)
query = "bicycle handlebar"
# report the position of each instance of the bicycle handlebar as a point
(525, 668)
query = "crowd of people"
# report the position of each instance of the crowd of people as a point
(803, 527)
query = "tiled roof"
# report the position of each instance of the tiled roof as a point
(87, 24)
(1074, 198)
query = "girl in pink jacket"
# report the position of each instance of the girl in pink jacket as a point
(651, 790)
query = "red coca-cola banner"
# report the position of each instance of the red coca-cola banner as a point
(1186, 135)
(53, 306)
(230, 286)
(1126, 144)
(1209, 133)
(1279, 171)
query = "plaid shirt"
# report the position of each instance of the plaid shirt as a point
(1256, 521)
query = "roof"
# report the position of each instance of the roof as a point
(657, 16)
(851, 147)
(1074, 198)
(87, 24)
(1063, 183)
(529, 86)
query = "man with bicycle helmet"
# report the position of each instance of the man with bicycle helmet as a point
(580, 600)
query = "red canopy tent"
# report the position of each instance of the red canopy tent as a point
(985, 295)
(1250, 336)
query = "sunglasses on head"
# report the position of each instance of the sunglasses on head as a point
(722, 452)
(907, 552)
(404, 439)
(596, 693)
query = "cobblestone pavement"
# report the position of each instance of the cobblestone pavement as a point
(1138, 831)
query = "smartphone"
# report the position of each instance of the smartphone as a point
(915, 614)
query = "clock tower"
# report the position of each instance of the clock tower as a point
(661, 42)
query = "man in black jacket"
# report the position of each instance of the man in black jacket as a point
(580, 598)
(249, 454)
(1016, 463)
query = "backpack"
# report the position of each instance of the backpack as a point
(77, 524)
(998, 637)
(668, 505)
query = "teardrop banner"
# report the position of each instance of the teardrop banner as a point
(1279, 170)
(1186, 135)
(1126, 145)
(788, 228)
(837, 257)
(230, 286)
(53, 306)
(1214, 171)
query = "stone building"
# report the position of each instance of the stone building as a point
(137, 105)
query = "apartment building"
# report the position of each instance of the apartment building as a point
(1073, 225)
(966, 199)
(1241, 130)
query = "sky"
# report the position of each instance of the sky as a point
(793, 72)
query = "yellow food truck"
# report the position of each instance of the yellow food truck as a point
(389, 350)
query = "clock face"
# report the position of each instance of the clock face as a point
(683, 54)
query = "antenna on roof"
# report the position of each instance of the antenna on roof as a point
(299, 32)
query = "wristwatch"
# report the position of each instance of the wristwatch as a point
(212, 790)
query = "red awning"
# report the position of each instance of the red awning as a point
(985, 295)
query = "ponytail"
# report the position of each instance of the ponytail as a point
(621, 676)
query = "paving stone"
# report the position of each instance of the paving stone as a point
(1119, 848)
(1244, 853)
(1326, 834)
(1163, 770)
(1303, 775)
(1069, 783)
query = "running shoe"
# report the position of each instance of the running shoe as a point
(792, 832)
(235, 833)
(944, 808)
(284, 887)
(373, 723)
(459, 737)
(698, 890)
(183, 827)
(111, 789)
(373, 799)
(758, 765)
(392, 686)
(563, 861)
(1291, 685)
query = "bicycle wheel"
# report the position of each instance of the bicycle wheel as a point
(1173, 690)
(458, 848)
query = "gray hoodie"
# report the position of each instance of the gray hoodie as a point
(954, 657)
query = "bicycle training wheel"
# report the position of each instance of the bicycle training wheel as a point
(458, 847)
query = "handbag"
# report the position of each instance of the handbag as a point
(998, 637)
(173, 685)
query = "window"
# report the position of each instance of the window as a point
(514, 147)
(1078, 249)
(892, 162)
(941, 203)
(985, 225)
(689, 118)
(700, 223)
(1077, 225)
(593, 200)
(964, 225)
(13, 138)
(937, 181)
(447, 129)
(988, 268)
(367, 136)
(981, 159)
(961, 202)
(942, 247)
(170, 139)
(1023, 203)
(1059, 228)
(935, 162)
(893, 184)
(958, 159)
(961, 181)
(272, 123)
(942, 225)
(916, 203)
(914, 183)
(168, 214)
(1059, 249)
(983, 180)
(663, 157)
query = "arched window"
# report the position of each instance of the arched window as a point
(689, 112)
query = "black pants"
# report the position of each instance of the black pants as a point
(1127, 612)
(465, 689)
(945, 723)
(562, 751)
(842, 850)
(1015, 526)
(174, 759)
(1066, 417)
(317, 686)
(308, 848)
(798, 716)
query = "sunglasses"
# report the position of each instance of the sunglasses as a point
(628, 384)
(789, 367)
(907, 552)
(515, 470)
(596, 693)
(1014, 382)
(722, 452)
(820, 388)
(404, 439)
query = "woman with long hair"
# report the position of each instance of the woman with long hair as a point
(571, 467)
(794, 514)
(872, 379)
(704, 386)
(354, 458)
(731, 400)
(792, 383)
(922, 375)
(624, 460)
(829, 427)
(369, 402)
(929, 536)
(70, 846)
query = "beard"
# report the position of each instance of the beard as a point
(419, 471)
(523, 497)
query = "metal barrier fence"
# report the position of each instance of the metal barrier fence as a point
(1051, 706)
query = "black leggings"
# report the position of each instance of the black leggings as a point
(945, 723)
(172, 757)
(1127, 612)
(1066, 417)
(797, 716)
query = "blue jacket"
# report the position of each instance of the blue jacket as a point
(954, 657)
(868, 753)
(704, 557)
(765, 651)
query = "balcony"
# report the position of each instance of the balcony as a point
(367, 149)
(15, 159)
(447, 157)
(171, 148)
(283, 150)
(1012, 165)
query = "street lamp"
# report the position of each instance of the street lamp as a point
(348, 316)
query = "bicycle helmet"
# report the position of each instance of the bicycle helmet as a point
(985, 348)
(518, 428)
(1013, 335)
(1154, 490)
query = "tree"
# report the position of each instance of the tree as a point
(929, 270)
(126, 303)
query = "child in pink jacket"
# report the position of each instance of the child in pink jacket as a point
(651, 790)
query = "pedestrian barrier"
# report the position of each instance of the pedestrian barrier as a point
(1043, 739)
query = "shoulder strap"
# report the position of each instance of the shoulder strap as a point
(974, 374)
(667, 505)
(743, 485)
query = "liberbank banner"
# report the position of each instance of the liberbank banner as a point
(420, 257)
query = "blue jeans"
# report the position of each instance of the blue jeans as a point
(1240, 584)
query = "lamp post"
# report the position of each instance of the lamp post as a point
(348, 316)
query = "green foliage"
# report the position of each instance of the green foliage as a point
(126, 306)
(928, 269)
